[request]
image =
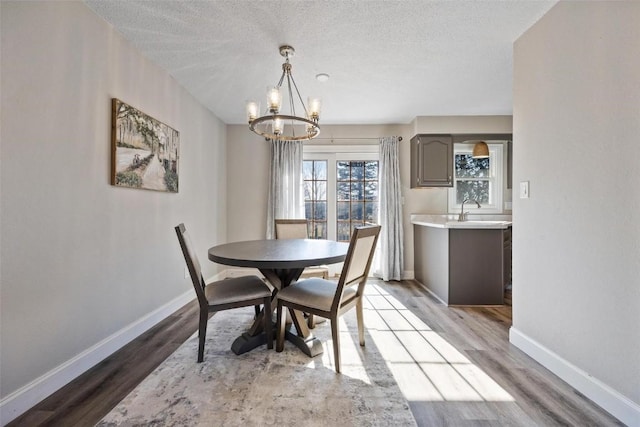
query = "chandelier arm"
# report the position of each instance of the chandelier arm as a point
(306, 113)
(292, 106)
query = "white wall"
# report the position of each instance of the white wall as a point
(81, 259)
(576, 251)
(248, 181)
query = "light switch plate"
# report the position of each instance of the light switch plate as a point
(524, 189)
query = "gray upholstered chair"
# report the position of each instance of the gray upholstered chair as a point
(224, 294)
(329, 299)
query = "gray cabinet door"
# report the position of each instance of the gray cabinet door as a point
(431, 161)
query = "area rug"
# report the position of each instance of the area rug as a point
(263, 387)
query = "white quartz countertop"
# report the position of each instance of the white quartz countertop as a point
(473, 221)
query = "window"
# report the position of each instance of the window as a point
(314, 175)
(357, 195)
(477, 179)
(341, 189)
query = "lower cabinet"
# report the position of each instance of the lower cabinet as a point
(461, 266)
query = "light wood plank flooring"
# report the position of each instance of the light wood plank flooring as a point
(479, 333)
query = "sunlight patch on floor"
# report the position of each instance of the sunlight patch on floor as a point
(424, 364)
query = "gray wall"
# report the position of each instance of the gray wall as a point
(576, 256)
(81, 259)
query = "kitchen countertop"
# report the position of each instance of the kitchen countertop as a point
(473, 221)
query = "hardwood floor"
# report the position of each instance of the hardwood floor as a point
(479, 333)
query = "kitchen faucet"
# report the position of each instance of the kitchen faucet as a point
(463, 214)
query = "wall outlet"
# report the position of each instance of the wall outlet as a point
(186, 272)
(524, 189)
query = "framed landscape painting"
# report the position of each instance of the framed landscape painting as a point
(144, 151)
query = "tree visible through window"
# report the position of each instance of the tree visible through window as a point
(477, 179)
(356, 194)
(472, 179)
(314, 174)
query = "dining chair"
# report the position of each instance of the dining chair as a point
(297, 229)
(223, 294)
(329, 299)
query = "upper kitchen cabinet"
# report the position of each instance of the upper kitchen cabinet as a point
(431, 161)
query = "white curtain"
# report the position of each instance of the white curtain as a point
(391, 249)
(286, 196)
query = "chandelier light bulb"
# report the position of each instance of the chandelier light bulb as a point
(277, 126)
(314, 108)
(274, 99)
(253, 110)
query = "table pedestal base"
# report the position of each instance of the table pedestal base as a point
(310, 346)
(246, 342)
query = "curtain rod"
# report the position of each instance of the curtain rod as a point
(362, 138)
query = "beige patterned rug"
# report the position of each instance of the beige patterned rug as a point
(263, 387)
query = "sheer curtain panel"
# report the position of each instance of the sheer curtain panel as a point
(391, 261)
(286, 196)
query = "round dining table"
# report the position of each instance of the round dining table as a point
(281, 261)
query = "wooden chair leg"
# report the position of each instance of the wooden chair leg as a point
(267, 322)
(360, 317)
(281, 321)
(335, 334)
(256, 308)
(311, 321)
(202, 333)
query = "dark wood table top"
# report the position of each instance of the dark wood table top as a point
(279, 254)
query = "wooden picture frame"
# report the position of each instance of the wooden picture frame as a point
(145, 152)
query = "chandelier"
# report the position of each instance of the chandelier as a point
(285, 127)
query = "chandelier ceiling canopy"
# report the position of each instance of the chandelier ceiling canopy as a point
(274, 124)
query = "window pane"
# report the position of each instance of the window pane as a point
(357, 211)
(343, 232)
(472, 190)
(320, 211)
(357, 191)
(357, 171)
(308, 210)
(319, 231)
(343, 191)
(321, 190)
(320, 170)
(371, 171)
(371, 190)
(371, 212)
(308, 186)
(307, 169)
(468, 167)
(343, 211)
(342, 171)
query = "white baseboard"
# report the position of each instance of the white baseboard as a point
(609, 399)
(21, 400)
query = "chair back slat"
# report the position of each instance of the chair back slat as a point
(291, 229)
(192, 263)
(358, 260)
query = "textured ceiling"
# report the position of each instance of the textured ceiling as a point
(389, 61)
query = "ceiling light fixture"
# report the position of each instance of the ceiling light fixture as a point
(480, 150)
(285, 127)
